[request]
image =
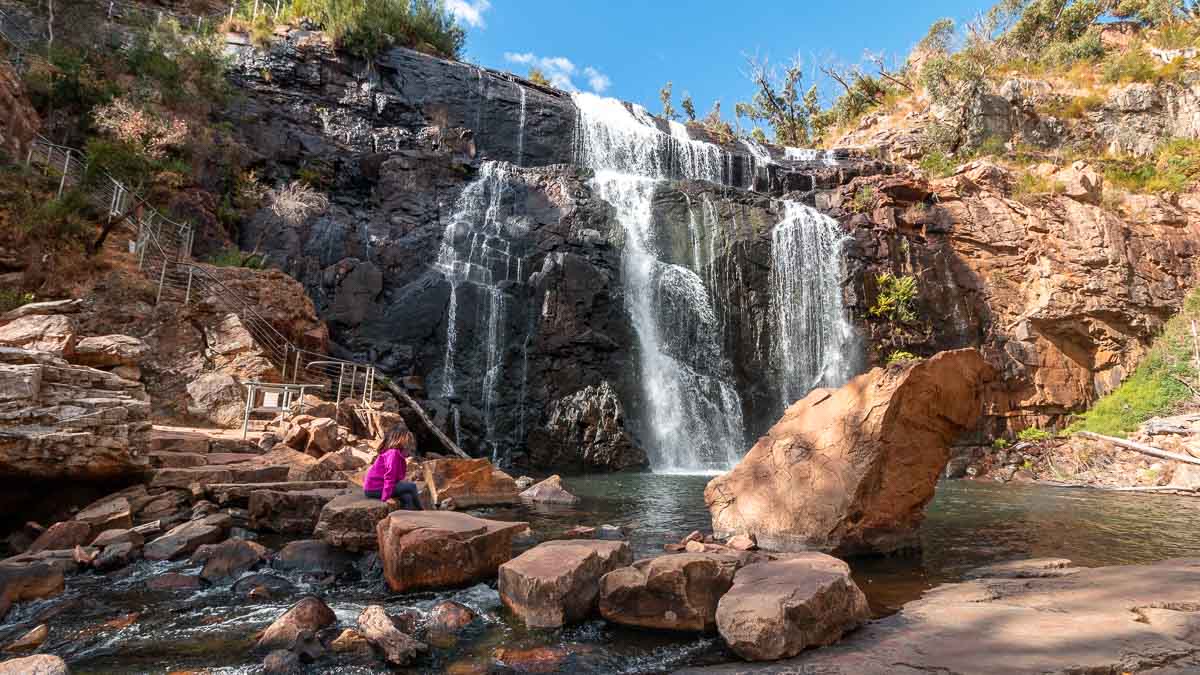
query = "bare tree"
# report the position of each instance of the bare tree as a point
(293, 204)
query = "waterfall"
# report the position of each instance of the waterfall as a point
(809, 155)
(691, 411)
(477, 258)
(811, 338)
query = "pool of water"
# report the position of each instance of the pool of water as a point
(969, 524)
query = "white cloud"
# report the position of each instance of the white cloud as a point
(597, 80)
(560, 71)
(469, 12)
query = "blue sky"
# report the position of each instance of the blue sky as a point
(629, 49)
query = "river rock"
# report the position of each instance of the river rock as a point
(174, 581)
(262, 587)
(309, 614)
(446, 620)
(38, 664)
(777, 609)
(110, 513)
(549, 491)
(282, 662)
(671, 592)
(436, 549)
(350, 521)
(116, 556)
(312, 557)
(468, 483)
(29, 641)
(229, 559)
(291, 512)
(108, 351)
(221, 398)
(21, 582)
(113, 537)
(184, 539)
(64, 535)
(350, 641)
(869, 454)
(558, 582)
(322, 437)
(399, 649)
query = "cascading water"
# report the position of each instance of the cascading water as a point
(477, 255)
(811, 338)
(692, 412)
(521, 129)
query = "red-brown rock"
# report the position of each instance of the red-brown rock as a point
(399, 649)
(671, 592)
(310, 614)
(351, 522)
(868, 456)
(65, 535)
(436, 549)
(557, 583)
(468, 483)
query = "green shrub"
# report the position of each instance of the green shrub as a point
(233, 257)
(1000, 443)
(10, 299)
(992, 146)
(896, 297)
(938, 164)
(901, 356)
(1075, 107)
(1032, 184)
(1063, 54)
(1175, 35)
(1132, 65)
(1034, 435)
(1156, 386)
(864, 199)
(1174, 167)
(367, 27)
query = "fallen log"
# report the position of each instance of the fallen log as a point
(403, 398)
(1140, 447)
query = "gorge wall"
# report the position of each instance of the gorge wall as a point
(583, 285)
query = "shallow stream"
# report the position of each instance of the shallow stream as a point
(969, 524)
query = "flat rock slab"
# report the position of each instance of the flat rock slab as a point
(295, 512)
(38, 664)
(549, 491)
(351, 522)
(558, 582)
(437, 549)
(239, 493)
(229, 473)
(185, 538)
(671, 592)
(1095, 620)
(778, 609)
(1024, 569)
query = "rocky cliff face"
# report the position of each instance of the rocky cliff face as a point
(465, 244)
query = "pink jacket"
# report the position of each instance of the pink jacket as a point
(390, 467)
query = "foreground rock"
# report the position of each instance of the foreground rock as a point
(436, 549)
(1101, 620)
(466, 483)
(309, 615)
(558, 582)
(549, 491)
(778, 609)
(671, 592)
(186, 538)
(40, 664)
(377, 627)
(294, 512)
(21, 582)
(869, 455)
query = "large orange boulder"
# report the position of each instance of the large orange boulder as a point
(436, 549)
(466, 483)
(558, 582)
(850, 470)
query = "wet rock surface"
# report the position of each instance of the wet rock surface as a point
(558, 582)
(424, 549)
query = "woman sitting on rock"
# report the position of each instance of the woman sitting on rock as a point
(385, 479)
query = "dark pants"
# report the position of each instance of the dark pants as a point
(405, 491)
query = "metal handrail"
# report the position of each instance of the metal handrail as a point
(163, 247)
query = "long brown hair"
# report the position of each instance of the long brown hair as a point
(398, 437)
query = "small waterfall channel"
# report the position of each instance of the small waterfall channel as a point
(480, 257)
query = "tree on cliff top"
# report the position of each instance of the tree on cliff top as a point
(366, 27)
(780, 102)
(537, 77)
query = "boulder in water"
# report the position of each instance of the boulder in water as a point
(558, 582)
(850, 470)
(184, 539)
(549, 491)
(777, 609)
(310, 614)
(64, 535)
(229, 559)
(468, 483)
(436, 549)
(671, 592)
(29, 641)
(399, 649)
